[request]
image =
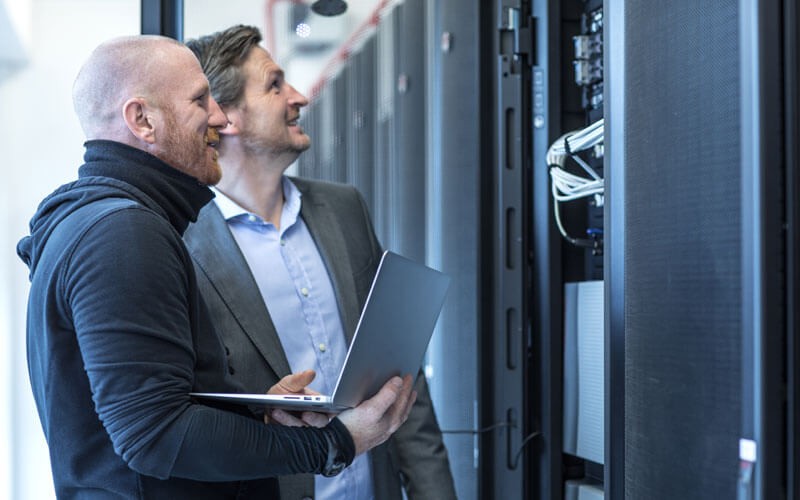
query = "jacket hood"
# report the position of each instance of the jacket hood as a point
(61, 203)
(114, 170)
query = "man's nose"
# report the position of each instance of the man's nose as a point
(297, 98)
(216, 117)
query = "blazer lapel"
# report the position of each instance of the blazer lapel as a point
(330, 240)
(216, 252)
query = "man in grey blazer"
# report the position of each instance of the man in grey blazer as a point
(285, 265)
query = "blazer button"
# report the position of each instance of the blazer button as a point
(227, 351)
(307, 498)
(231, 370)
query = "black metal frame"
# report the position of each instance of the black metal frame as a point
(162, 17)
(614, 241)
(792, 140)
(508, 364)
(764, 285)
(545, 294)
(487, 441)
(526, 364)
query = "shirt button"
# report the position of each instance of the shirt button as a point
(304, 291)
(322, 347)
(251, 218)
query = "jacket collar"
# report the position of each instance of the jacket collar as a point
(174, 194)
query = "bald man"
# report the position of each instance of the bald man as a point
(118, 336)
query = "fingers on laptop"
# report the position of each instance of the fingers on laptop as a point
(294, 383)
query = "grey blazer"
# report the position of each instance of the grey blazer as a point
(339, 222)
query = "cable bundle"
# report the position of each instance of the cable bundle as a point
(567, 186)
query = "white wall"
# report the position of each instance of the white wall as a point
(42, 148)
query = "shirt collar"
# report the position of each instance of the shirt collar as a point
(291, 208)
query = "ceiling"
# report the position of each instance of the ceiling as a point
(304, 43)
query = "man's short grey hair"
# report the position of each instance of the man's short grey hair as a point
(221, 56)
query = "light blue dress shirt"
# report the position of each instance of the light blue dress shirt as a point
(298, 292)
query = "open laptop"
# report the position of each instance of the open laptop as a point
(391, 338)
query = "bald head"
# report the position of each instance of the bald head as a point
(117, 70)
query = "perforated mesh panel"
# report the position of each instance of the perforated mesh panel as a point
(682, 251)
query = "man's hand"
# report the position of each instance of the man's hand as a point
(373, 421)
(295, 383)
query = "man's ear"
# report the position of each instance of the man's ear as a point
(134, 112)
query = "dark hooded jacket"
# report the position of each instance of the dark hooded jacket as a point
(118, 337)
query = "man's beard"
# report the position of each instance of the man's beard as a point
(187, 151)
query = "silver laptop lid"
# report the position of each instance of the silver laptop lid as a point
(391, 337)
(394, 329)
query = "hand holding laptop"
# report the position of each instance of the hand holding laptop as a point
(296, 383)
(370, 423)
(376, 419)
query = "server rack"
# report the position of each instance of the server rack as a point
(339, 125)
(698, 308)
(458, 116)
(308, 164)
(410, 97)
(326, 114)
(387, 35)
(361, 112)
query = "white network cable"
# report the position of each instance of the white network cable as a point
(567, 186)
